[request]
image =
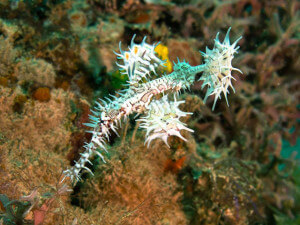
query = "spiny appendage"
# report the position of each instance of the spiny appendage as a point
(139, 61)
(162, 120)
(105, 117)
(217, 73)
(74, 172)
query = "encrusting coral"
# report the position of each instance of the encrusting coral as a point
(140, 64)
(37, 71)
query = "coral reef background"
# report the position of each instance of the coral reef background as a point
(241, 165)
